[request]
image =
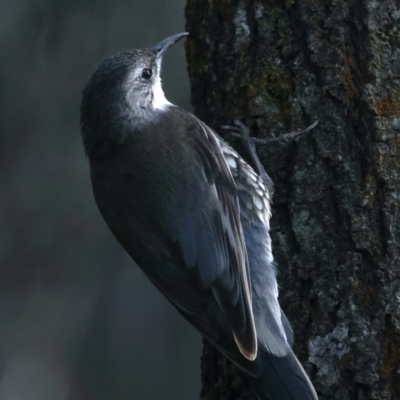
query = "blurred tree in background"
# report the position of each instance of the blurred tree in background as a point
(77, 319)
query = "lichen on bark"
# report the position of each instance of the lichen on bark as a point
(335, 227)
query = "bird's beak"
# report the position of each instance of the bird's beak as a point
(161, 47)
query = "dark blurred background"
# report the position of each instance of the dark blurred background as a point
(78, 320)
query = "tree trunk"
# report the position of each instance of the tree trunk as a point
(335, 226)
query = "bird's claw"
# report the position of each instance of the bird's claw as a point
(287, 137)
(241, 131)
(239, 128)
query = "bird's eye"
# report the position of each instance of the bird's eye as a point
(146, 73)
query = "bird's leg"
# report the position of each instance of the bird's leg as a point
(242, 132)
(287, 137)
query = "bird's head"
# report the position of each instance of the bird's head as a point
(124, 93)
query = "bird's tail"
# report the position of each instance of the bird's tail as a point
(282, 378)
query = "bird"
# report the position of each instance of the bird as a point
(192, 214)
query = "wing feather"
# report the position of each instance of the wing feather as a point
(230, 280)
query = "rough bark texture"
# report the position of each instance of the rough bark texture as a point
(335, 226)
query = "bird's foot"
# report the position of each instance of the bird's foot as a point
(242, 132)
(287, 137)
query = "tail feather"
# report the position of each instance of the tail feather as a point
(283, 378)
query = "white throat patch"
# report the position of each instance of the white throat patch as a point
(146, 102)
(159, 102)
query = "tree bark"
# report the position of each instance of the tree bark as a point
(335, 226)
